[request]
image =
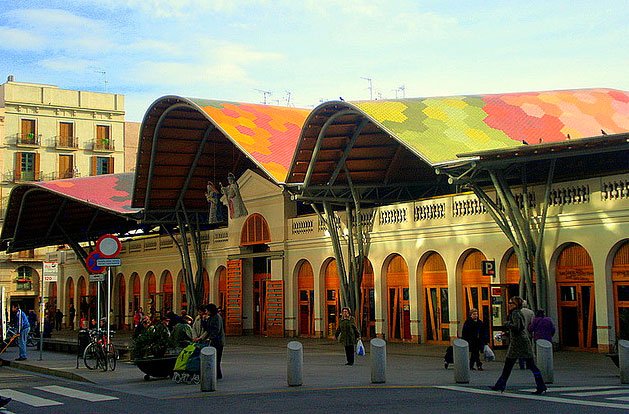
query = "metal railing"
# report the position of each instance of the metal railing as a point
(66, 142)
(28, 139)
(103, 144)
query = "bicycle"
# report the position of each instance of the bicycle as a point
(99, 353)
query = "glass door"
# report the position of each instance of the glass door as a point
(577, 319)
(437, 314)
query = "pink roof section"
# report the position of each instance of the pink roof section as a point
(111, 191)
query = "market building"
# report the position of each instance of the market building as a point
(433, 177)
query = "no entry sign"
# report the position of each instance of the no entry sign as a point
(108, 246)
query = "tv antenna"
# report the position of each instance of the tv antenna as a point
(401, 89)
(265, 95)
(288, 96)
(103, 74)
(370, 87)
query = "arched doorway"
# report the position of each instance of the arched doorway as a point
(84, 305)
(166, 293)
(620, 281)
(435, 282)
(151, 296)
(206, 287)
(305, 291)
(120, 301)
(222, 288)
(183, 298)
(70, 301)
(135, 292)
(332, 298)
(398, 304)
(575, 298)
(476, 288)
(368, 302)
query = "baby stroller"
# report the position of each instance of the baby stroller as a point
(448, 358)
(188, 365)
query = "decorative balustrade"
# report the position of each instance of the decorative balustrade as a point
(576, 194)
(429, 211)
(393, 216)
(615, 190)
(220, 237)
(469, 207)
(302, 226)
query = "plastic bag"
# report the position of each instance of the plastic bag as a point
(489, 354)
(360, 348)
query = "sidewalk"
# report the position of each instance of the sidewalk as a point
(258, 364)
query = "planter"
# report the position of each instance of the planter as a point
(157, 367)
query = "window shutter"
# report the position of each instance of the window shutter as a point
(18, 166)
(36, 167)
(93, 171)
(111, 165)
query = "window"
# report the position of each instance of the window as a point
(24, 278)
(26, 166)
(102, 165)
(29, 132)
(103, 138)
(66, 135)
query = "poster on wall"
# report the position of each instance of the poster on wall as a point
(51, 271)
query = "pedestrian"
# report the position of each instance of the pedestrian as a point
(347, 333)
(58, 319)
(475, 333)
(542, 327)
(72, 313)
(216, 335)
(182, 333)
(519, 347)
(197, 325)
(528, 318)
(23, 327)
(137, 317)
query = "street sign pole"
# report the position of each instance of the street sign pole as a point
(41, 318)
(108, 310)
(98, 305)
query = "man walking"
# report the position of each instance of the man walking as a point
(22, 328)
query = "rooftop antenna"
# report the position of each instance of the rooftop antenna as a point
(103, 73)
(265, 95)
(288, 96)
(402, 89)
(370, 87)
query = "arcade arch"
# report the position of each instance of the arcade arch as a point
(434, 278)
(306, 299)
(620, 285)
(398, 300)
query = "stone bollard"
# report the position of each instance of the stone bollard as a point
(378, 353)
(623, 360)
(461, 361)
(208, 369)
(295, 364)
(544, 350)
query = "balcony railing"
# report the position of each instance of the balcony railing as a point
(66, 143)
(103, 145)
(28, 139)
(19, 176)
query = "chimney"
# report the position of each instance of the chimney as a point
(10, 78)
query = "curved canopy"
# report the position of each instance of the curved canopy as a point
(184, 143)
(397, 142)
(77, 209)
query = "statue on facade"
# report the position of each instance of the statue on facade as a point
(234, 200)
(213, 197)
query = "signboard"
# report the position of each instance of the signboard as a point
(108, 262)
(108, 246)
(51, 271)
(488, 267)
(97, 278)
(90, 263)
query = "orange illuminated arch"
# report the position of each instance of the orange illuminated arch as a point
(255, 231)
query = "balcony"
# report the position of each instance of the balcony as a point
(28, 140)
(67, 143)
(103, 145)
(19, 176)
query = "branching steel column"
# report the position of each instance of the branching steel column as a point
(57, 215)
(348, 149)
(317, 148)
(193, 167)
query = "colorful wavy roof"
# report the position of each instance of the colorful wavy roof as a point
(111, 191)
(268, 133)
(442, 127)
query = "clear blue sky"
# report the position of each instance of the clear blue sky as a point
(316, 49)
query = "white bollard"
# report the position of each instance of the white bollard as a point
(208, 369)
(295, 364)
(378, 354)
(461, 361)
(545, 360)
(623, 360)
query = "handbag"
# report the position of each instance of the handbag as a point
(360, 348)
(489, 354)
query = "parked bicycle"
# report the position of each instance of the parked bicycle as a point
(99, 353)
(32, 339)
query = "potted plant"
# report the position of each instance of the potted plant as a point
(153, 352)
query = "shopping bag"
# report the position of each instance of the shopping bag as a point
(489, 354)
(360, 348)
